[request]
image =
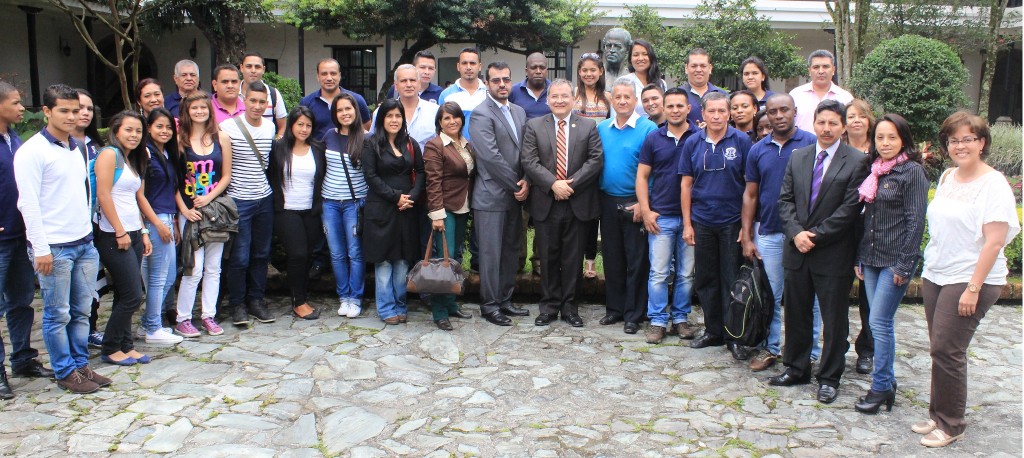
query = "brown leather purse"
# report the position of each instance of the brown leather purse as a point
(437, 275)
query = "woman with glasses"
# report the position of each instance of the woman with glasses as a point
(592, 101)
(643, 65)
(895, 195)
(972, 217)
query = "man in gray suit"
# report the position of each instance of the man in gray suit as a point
(562, 156)
(497, 133)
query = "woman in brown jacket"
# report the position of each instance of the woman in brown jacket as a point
(448, 163)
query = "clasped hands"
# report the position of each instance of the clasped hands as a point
(562, 189)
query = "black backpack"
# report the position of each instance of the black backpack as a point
(749, 314)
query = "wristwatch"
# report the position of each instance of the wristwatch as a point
(972, 287)
(145, 231)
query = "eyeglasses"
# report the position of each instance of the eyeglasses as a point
(497, 80)
(714, 161)
(953, 143)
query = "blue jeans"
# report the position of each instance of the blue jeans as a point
(391, 288)
(18, 290)
(67, 299)
(340, 219)
(250, 252)
(770, 247)
(158, 272)
(883, 299)
(668, 250)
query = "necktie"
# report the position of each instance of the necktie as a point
(562, 157)
(819, 172)
(512, 124)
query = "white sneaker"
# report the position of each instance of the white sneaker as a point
(345, 307)
(354, 309)
(161, 336)
(141, 331)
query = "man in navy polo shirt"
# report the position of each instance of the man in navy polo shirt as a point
(328, 73)
(712, 165)
(16, 282)
(766, 167)
(186, 79)
(426, 64)
(698, 71)
(532, 92)
(657, 193)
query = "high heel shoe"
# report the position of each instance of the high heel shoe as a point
(874, 400)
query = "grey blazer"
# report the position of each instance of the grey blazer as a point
(586, 157)
(497, 155)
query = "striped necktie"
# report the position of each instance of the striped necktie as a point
(562, 157)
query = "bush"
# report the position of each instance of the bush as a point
(919, 78)
(291, 92)
(1005, 152)
(32, 122)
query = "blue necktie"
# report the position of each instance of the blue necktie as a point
(508, 116)
(819, 172)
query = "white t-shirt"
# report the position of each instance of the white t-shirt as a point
(123, 194)
(955, 219)
(298, 190)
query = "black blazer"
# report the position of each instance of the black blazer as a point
(275, 173)
(586, 158)
(834, 216)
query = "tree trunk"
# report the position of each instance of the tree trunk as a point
(861, 15)
(230, 42)
(840, 12)
(406, 58)
(997, 8)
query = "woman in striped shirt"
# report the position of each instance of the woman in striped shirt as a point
(592, 101)
(344, 194)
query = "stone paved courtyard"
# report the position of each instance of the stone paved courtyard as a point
(353, 387)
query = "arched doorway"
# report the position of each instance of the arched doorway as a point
(108, 88)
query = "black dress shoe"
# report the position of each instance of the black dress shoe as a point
(5, 388)
(574, 320)
(827, 394)
(788, 379)
(865, 364)
(32, 368)
(874, 400)
(545, 319)
(497, 318)
(631, 328)
(460, 314)
(512, 310)
(444, 325)
(706, 340)
(259, 310)
(610, 319)
(739, 352)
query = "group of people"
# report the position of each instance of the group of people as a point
(685, 183)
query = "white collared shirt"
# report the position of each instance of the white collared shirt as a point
(806, 101)
(830, 153)
(421, 126)
(631, 122)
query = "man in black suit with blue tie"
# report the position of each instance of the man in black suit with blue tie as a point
(818, 206)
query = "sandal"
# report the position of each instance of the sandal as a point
(939, 438)
(590, 268)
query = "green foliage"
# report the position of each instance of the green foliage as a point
(1005, 153)
(730, 30)
(291, 92)
(1013, 252)
(32, 122)
(950, 21)
(919, 78)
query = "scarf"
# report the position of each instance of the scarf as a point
(869, 188)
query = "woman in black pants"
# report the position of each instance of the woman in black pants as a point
(122, 240)
(297, 168)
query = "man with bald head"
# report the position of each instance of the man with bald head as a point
(616, 46)
(532, 92)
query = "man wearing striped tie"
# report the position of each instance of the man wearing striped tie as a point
(562, 156)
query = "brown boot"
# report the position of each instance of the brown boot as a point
(762, 361)
(655, 334)
(78, 383)
(96, 378)
(685, 330)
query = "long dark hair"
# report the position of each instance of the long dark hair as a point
(760, 66)
(92, 130)
(355, 131)
(137, 157)
(284, 160)
(903, 130)
(380, 135)
(171, 146)
(599, 86)
(185, 132)
(653, 72)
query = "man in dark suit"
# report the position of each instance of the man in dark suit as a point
(818, 206)
(497, 133)
(562, 156)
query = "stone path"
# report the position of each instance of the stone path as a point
(340, 387)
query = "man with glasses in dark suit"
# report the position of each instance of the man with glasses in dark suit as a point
(712, 163)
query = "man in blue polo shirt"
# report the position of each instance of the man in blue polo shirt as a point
(623, 242)
(186, 79)
(532, 92)
(766, 167)
(328, 73)
(712, 164)
(657, 193)
(426, 64)
(698, 71)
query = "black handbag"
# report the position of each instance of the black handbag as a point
(437, 275)
(749, 314)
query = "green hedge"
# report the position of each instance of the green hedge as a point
(291, 92)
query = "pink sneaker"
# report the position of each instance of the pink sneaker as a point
(212, 327)
(186, 329)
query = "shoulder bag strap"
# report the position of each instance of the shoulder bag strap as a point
(348, 178)
(252, 144)
(412, 152)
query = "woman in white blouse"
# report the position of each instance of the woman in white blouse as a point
(972, 217)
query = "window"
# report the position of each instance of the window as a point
(556, 64)
(271, 65)
(358, 70)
